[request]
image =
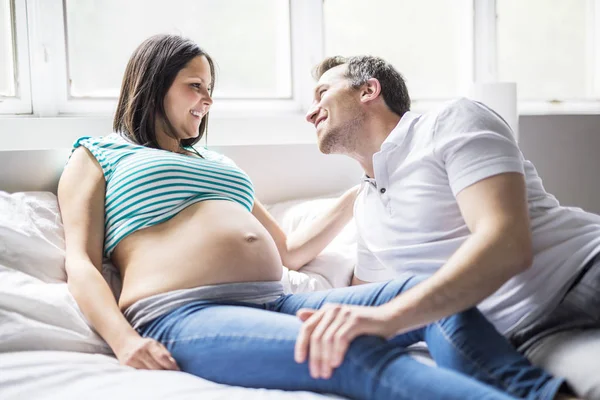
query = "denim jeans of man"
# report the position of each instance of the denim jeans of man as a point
(252, 345)
(566, 341)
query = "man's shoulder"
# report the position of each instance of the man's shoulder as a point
(466, 115)
(452, 112)
(461, 106)
(449, 116)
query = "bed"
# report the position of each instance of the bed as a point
(47, 348)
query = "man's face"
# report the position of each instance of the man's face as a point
(335, 112)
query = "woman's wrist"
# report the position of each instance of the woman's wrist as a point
(118, 339)
(123, 343)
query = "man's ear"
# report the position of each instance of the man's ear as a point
(370, 90)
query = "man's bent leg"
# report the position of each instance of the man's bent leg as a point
(574, 355)
(566, 341)
(246, 345)
(465, 342)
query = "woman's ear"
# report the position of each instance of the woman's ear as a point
(370, 90)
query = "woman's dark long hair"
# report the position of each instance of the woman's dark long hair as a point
(150, 73)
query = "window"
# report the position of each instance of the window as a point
(252, 54)
(15, 95)
(67, 57)
(545, 46)
(7, 51)
(423, 39)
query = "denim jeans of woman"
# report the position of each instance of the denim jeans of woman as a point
(252, 345)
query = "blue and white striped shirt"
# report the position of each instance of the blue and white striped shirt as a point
(146, 186)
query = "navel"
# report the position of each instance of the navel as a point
(250, 237)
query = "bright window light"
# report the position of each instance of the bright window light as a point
(249, 41)
(420, 38)
(543, 46)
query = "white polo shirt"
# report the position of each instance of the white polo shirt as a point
(408, 220)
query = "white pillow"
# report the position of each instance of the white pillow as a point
(37, 311)
(32, 239)
(35, 315)
(333, 268)
(31, 235)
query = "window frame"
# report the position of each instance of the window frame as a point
(21, 102)
(486, 65)
(40, 44)
(55, 37)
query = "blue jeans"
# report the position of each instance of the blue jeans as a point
(578, 309)
(566, 340)
(252, 345)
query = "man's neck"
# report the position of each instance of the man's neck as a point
(375, 133)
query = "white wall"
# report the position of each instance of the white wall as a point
(33, 152)
(284, 172)
(565, 150)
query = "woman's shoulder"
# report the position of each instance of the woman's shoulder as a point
(212, 155)
(107, 150)
(99, 140)
(109, 144)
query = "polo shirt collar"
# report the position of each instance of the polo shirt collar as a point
(395, 138)
(398, 134)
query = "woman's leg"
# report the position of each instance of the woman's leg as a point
(465, 342)
(248, 346)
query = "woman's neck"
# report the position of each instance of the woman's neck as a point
(168, 143)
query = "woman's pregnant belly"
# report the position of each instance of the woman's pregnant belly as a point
(208, 243)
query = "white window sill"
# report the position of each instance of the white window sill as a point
(559, 108)
(527, 108)
(274, 126)
(25, 132)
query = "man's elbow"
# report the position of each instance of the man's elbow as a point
(513, 245)
(526, 260)
(522, 258)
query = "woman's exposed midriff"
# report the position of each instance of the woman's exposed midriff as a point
(207, 243)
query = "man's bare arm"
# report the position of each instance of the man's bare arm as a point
(499, 247)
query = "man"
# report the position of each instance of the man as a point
(449, 194)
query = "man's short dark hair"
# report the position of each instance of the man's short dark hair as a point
(362, 68)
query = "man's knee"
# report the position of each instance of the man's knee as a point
(403, 283)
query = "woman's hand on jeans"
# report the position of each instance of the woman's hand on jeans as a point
(145, 353)
(329, 331)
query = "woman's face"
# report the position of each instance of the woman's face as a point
(188, 99)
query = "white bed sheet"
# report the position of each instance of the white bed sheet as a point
(46, 375)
